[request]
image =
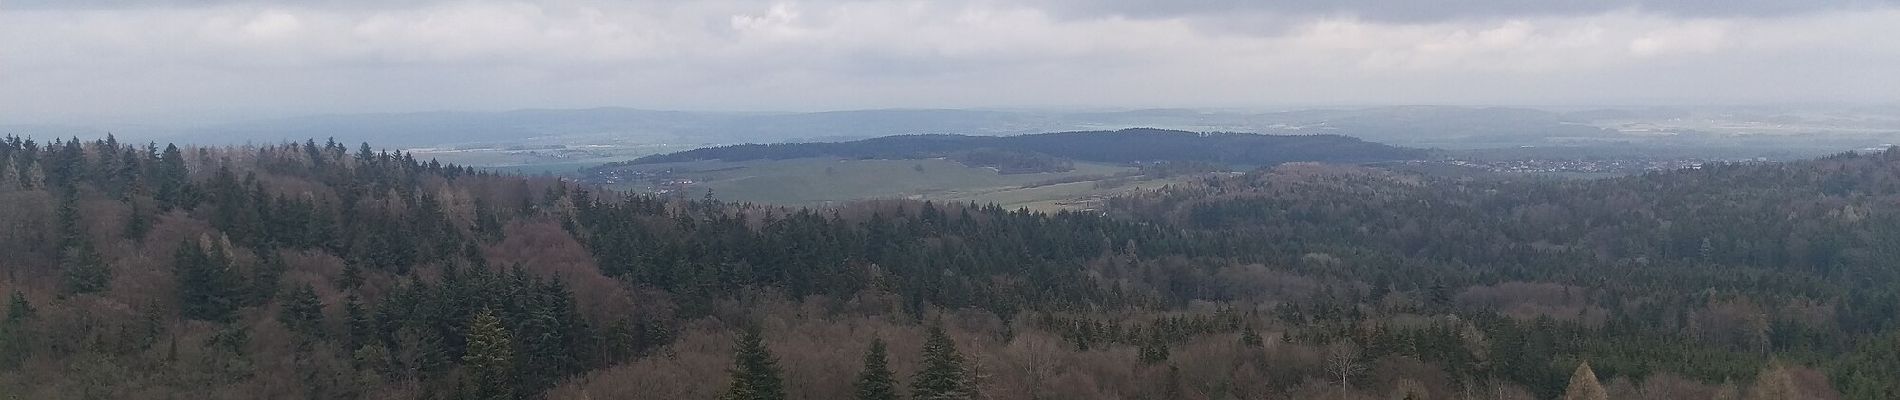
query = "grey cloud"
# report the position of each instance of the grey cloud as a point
(1440, 10)
(177, 58)
(1378, 10)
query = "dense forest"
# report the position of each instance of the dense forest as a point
(1122, 146)
(311, 270)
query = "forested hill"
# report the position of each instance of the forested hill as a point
(1123, 146)
(311, 270)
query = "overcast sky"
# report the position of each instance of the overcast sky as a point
(77, 60)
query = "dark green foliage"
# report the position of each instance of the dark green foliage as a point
(875, 381)
(171, 180)
(138, 222)
(488, 360)
(266, 278)
(82, 271)
(942, 375)
(16, 335)
(1155, 349)
(208, 286)
(358, 326)
(81, 268)
(351, 277)
(555, 341)
(19, 309)
(1250, 337)
(755, 374)
(302, 313)
(1868, 372)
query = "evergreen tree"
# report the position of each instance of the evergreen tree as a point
(942, 374)
(302, 313)
(1250, 337)
(359, 327)
(19, 309)
(81, 268)
(1584, 385)
(171, 180)
(266, 278)
(352, 275)
(489, 359)
(755, 374)
(207, 287)
(1155, 349)
(875, 382)
(16, 342)
(138, 222)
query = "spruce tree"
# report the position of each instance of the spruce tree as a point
(1250, 337)
(138, 222)
(266, 278)
(302, 313)
(489, 359)
(942, 373)
(357, 321)
(19, 309)
(171, 179)
(1155, 349)
(16, 342)
(755, 374)
(81, 268)
(875, 381)
(207, 288)
(1584, 385)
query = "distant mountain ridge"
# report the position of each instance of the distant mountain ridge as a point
(1119, 146)
(1400, 125)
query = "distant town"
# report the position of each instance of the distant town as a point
(1586, 166)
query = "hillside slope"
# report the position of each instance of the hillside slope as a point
(313, 271)
(1123, 146)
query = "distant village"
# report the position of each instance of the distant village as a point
(1591, 166)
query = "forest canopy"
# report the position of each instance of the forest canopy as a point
(313, 270)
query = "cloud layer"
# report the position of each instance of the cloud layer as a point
(97, 59)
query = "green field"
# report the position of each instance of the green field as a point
(821, 181)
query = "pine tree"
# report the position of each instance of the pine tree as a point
(755, 374)
(875, 381)
(1250, 337)
(352, 275)
(489, 359)
(357, 321)
(19, 309)
(138, 222)
(207, 288)
(942, 373)
(81, 268)
(1155, 349)
(302, 313)
(171, 179)
(16, 342)
(1584, 385)
(267, 277)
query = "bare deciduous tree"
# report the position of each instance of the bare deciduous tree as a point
(1342, 362)
(1038, 355)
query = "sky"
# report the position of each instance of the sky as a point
(64, 61)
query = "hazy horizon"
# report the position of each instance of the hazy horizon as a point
(68, 62)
